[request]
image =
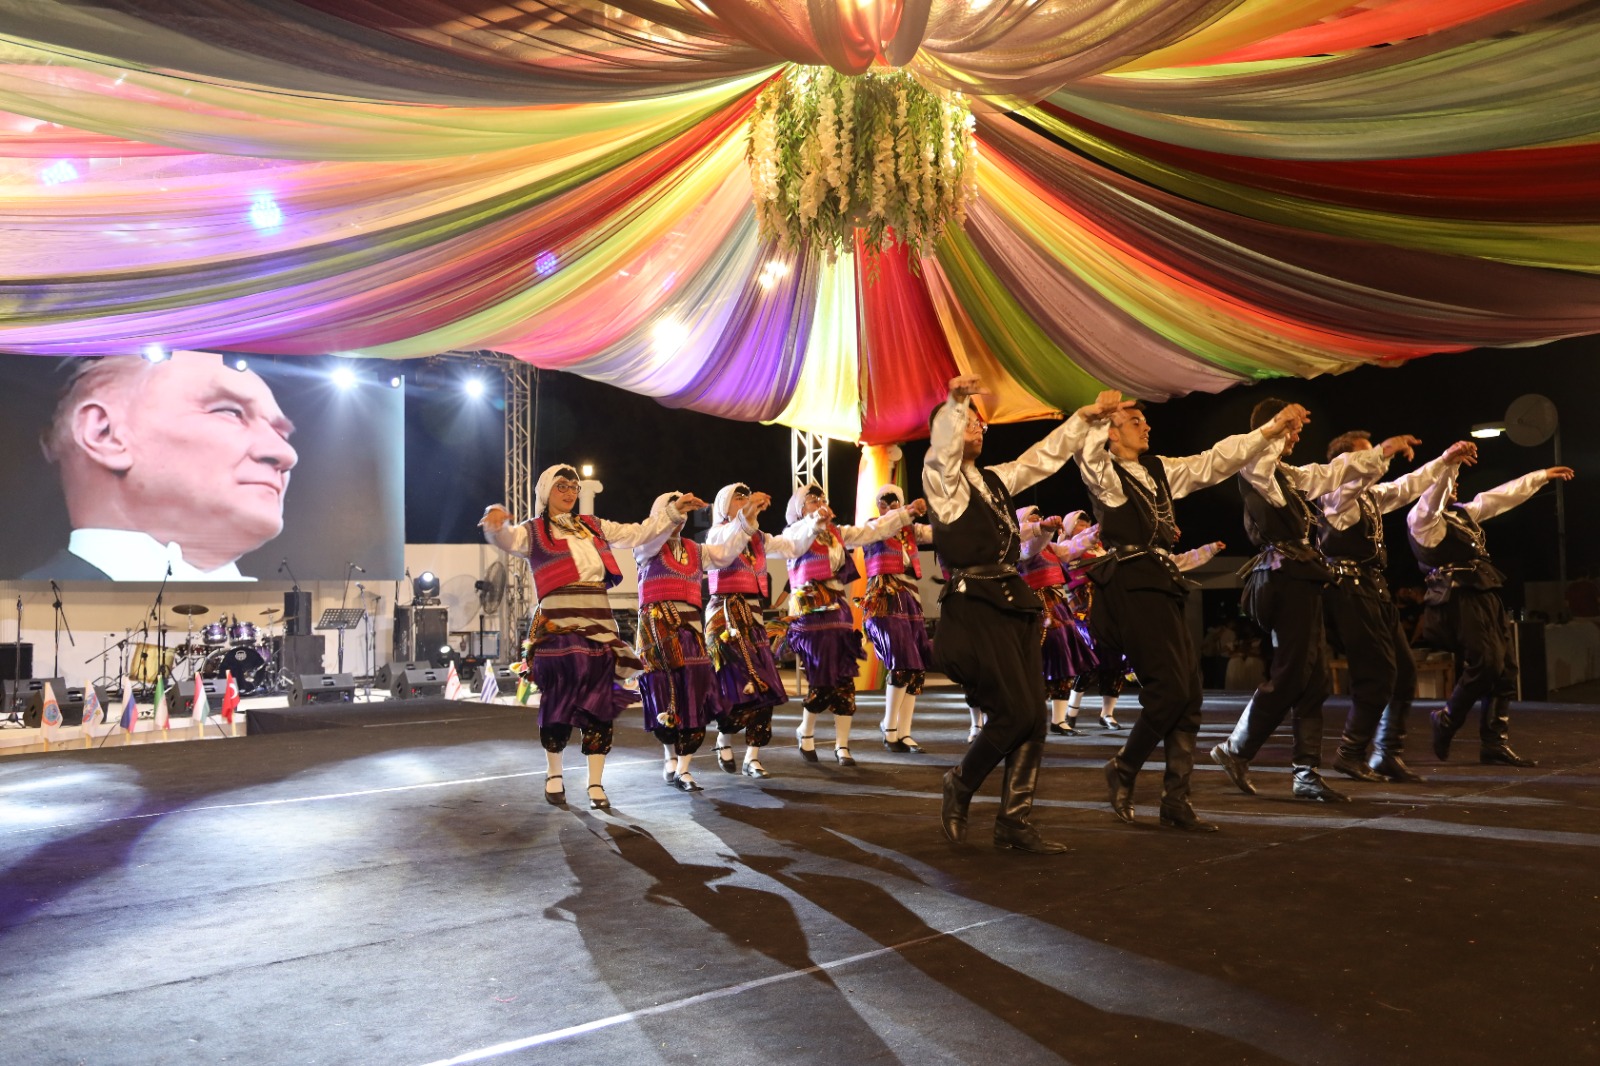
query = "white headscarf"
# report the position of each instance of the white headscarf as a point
(541, 491)
(1069, 520)
(724, 500)
(664, 502)
(1023, 512)
(797, 502)
(889, 490)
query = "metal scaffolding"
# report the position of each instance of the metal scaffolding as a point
(808, 459)
(522, 473)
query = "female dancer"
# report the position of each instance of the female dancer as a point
(822, 630)
(736, 636)
(679, 686)
(576, 656)
(1067, 655)
(893, 621)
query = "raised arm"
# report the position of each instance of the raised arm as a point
(1229, 455)
(943, 483)
(1502, 498)
(503, 531)
(1195, 558)
(656, 528)
(875, 529)
(1426, 520)
(1046, 457)
(1397, 493)
(726, 540)
(796, 540)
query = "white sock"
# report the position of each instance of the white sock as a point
(806, 731)
(683, 765)
(597, 767)
(1075, 702)
(841, 730)
(671, 766)
(752, 756)
(722, 741)
(1058, 711)
(1108, 707)
(891, 712)
(908, 707)
(553, 761)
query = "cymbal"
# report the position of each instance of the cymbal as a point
(273, 610)
(190, 608)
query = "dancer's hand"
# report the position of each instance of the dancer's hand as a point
(919, 507)
(1288, 420)
(1462, 453)
(759, 501)
(495, 517)
(1560, 473)
(963, 385)
(688, 502)
(1403, 444)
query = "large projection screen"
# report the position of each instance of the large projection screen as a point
(197, 451)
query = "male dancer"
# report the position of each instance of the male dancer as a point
(1383, 672)
(1283, 595)
(989, 637)
(1463, 608)
(1137, 610)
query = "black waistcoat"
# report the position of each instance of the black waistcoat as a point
(1464, 550)
(985, 535)
(1142, 520)
(1362, 543)
(1286, 527)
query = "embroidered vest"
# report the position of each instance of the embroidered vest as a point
(1463, 553)
(551, 561)
(816, 565)
(1043, 570)
(746, 575)
(1362, 543)
(897, 555)
(985, 535)
(1141, 521)
(663, 579)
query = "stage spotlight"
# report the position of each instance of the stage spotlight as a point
(445, 649)
(241, 364)
(1485, 430)
(58, 172)
(425, 587)
(669, 336)
(396, 381)
(154, 353)
(545, 263)
(587, 470)
(473, 387)
(265, 212)
(344, 377)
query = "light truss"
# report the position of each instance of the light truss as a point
(808, 459)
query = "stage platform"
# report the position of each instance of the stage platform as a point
(392, 888)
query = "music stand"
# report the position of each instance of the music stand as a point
(341, 618)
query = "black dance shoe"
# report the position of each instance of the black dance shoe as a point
(558, 798)
(1394, 769)
(895, 745)
(1119, 782)
(755, 769)
(726, 761)
(1025, 838)
(601, 804)
(1110, 725)
(1309, 785)
(1237, 769)
(1503, 757)
(1063, 730)
(686, 783)
(1355, 769)
(912, 746)
(843, 756)
(808, 754)
(1182, 816)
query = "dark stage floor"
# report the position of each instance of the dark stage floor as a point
(402, 895)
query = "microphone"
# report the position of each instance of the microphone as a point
(283, 564)
(357, 569)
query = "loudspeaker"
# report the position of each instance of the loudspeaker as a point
(400, 649)
(410, 682)
(297, 618)
(9, 653)
(33, 691)
(216, 689)
(303, 654)
(322, 688)
(433, 631)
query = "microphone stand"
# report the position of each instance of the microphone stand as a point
(12, 717)
(61, 623)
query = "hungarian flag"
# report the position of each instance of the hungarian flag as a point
(130, 710)
(452, 684)
(491, 684)
(230, 699)
(162, 719)
(202, 705)
(51, 718)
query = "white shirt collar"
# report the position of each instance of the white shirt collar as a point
(130, 555)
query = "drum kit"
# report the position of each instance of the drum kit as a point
(234, 645)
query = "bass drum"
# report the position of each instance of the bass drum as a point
(249, 667)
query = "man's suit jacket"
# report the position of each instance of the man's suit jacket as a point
(64, 566)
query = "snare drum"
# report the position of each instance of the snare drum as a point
(215, 635)
(242, 632)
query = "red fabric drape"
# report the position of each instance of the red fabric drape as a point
(905, 359)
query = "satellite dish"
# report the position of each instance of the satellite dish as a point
(1531, 420)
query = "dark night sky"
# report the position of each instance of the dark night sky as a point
(640, 448)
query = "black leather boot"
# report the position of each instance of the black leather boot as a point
(1182, 816)
(1354, 768)
(953, 812)
(1309, 785)
(1014, 828)
(1495, 735)
(1119, 783)
(1393, 768)
(1446, 720)
(1236, 767)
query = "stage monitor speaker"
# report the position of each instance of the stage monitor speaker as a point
(412, 682)
(303, 654)
(216, 689)
(297, 618)
(322, 688)
(400, 649)
(433, 632)
(9, 654)
(33, 692)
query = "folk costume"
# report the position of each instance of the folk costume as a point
(892, 618)
(992, 626)
(1463, 610)
(1137, 610)
(822, 628)
(679, 686)
(577, 659)
(736, 635)
(1365, 624)
(1283, 594)
(1066, 654)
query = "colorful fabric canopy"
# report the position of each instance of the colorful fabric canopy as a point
(1174, 195)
